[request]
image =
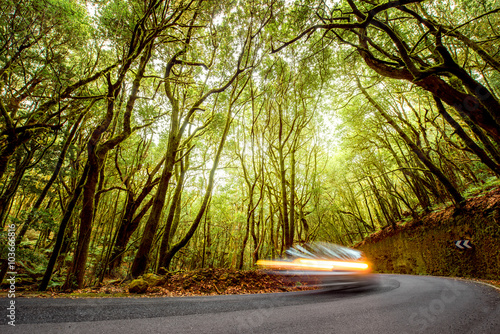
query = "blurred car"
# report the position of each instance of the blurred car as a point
(323, 264)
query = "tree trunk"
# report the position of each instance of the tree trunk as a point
(292, 197)
(141, 259)
(175, 203)
(284, 198)
(62, 229)
(76, 274)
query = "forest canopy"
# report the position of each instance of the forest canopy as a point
(143, 136)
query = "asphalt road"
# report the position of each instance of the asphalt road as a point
(399, 304)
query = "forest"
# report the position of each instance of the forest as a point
(142, 136)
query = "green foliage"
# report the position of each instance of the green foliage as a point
(490, 183)
(4, 241)
(42, 218)
(56, 283)
(116, 19)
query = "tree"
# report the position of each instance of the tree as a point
(181, 116)
(387, 52)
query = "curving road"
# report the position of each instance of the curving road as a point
(399, 304)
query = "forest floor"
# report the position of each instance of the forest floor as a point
(202, 282)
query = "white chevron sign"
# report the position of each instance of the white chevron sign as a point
(463, 244)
